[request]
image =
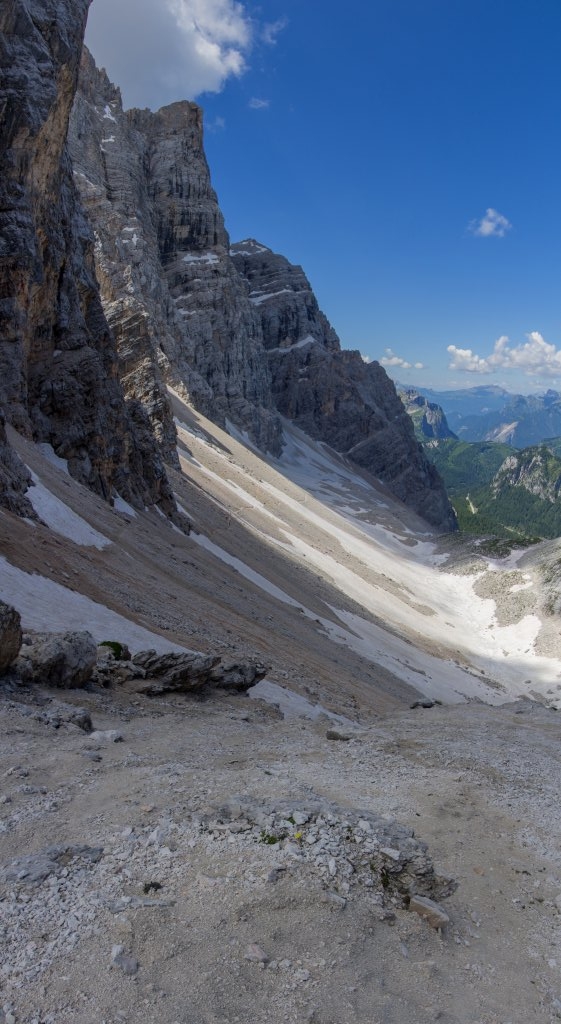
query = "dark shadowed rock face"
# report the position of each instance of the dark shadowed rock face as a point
(332, 394)
(176, 304)
(10, 636)
(58, 367)
(15, 478)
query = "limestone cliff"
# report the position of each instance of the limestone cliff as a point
(171, 294)
(331, 393)
(58, 367)
(428, 418)
(238, 331)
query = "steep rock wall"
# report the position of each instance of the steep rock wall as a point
(331, 393)
(177, 306)
(58, 367)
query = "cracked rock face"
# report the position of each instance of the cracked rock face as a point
(15, 478)
(331, 393)
(57, 659)
(58, 366)
(10, 636)
(179, 310)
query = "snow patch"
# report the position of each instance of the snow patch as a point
(252, 250)
(120, 505)
(60, 518)
(302, 343)
(257, 298)
(52, 457)
(207, 258)
(293, 705)
(107, 115)
(47, 606)
(245, 571)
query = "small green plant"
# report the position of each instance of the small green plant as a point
(120, 651)
(268, 838)
(385, 878)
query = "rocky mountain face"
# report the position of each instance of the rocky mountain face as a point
(428, 418)
(333, 394)
(59, 378)
(117, 278)
(174, 301)
(536, 470)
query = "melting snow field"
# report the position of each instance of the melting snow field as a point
(395, 575)
(62, 519)
(363, 577)
(47, 606)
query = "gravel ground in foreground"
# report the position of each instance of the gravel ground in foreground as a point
(220, 864)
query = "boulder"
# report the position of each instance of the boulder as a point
(238, 676)
(64, 660)
(10, 636)
(174, 671)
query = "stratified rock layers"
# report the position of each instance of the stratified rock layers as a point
(58, 367)
(175, 302)
(331, 393)
(238, 331)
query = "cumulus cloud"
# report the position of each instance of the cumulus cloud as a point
(390, 359)
(256, 104)
(534, 357)
(492, 225)
(159, 51)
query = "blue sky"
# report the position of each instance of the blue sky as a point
(405, 152)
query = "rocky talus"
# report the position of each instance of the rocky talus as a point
(176, 305)
(333, 394)
(58, 368)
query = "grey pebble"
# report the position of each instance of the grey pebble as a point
(128, 964)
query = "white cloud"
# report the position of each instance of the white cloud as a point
(271, 30)
(390, 359)
(534, 357)
(492, 225)
(256, 104)
(160, 51)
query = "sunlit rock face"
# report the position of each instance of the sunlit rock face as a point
(59, 378)
(333, 394)
(178, 309)
(119, 278)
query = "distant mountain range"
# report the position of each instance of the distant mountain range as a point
(496, 488)
(490, 413)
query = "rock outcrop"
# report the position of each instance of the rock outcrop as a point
(15, 478)
(64, 660)
(428, 418)
(170, 292)
(190, 673)
(58, 365)
(536, 470)
(10, 636)
(333, 394)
